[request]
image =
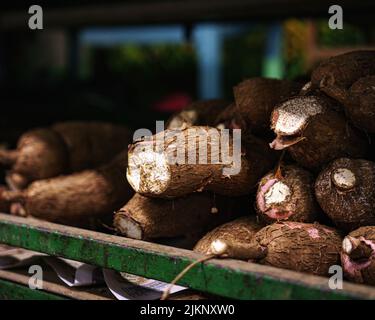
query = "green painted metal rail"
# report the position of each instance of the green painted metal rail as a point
(14, 291)
(228, 278)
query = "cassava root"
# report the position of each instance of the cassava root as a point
(154, 171)
(79, 199)
(150, 218)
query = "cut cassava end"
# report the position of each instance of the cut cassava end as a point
(198, 113)
(345, 191)
(178, 167)
(343, 70)
(151, 218)
(79, 199)
(289, 196)
(314, 133)
(358, 255)
(343, 178)
(255, 99)
(305, 247)
(226, 238)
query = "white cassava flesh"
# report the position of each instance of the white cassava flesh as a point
(219, 247)
(292, 118)
(130, 228)
(344, 178)
(278, 193)
(171, 164)
(148, 172)
(347, 245)
(186, 116)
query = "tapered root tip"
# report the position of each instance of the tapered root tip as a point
(148, 171)
(13, 196)
(8, 157)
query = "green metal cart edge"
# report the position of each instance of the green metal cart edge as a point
(14, 291)
(223, 277)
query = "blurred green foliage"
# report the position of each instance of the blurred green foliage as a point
(155, 64)
(242, 57)
(350, 35)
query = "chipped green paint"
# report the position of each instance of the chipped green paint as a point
(13, 291)
(226, 278)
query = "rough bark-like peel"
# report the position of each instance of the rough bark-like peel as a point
(255, 99)
(314, 133)
(288, 197)
(304, 247)
(78, 199)
(345, 191)
(150, 218)
(238, 231)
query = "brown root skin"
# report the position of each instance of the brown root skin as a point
(78, 199)
(198, 113)
(151, 174)
(358, 255)
(14, 195)
(350, 201)
(8, 157)
(4, 203)
(321, 133)
(229, 118)
(304, 247)
(343, 70)
(41, 154)
(287, 197)
(255, 99)
(237, 232)
(91, 144)
(149, 218)
(237, 250)
(359, 102)
(16, 181)
(65, 147)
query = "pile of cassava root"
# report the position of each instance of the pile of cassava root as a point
(306, 168)
(70, 173)
(297, 191)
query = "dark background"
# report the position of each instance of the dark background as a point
(91, 60)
